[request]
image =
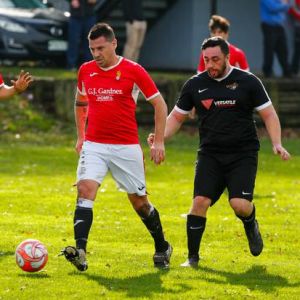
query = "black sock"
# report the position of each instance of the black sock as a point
(195, 227)
(153, 225)
(248, 221)
(83, 219)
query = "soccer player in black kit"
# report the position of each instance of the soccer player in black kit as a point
(224, 98)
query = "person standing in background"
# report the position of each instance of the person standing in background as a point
(294, 11)
(136, 27)
(219, 26)
(273, 16)
(81, 20)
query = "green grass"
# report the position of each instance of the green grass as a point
(37, 201)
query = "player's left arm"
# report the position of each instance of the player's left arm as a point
(157, 149)
(272, 123)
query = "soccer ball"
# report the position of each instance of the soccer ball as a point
(31, 255)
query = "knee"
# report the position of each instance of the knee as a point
(200, 206)
(241, 207)
(87, 190)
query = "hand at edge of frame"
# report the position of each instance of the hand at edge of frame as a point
(23, 81)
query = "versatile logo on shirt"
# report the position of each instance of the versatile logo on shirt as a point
(207, 103)
(225, 103)
(201, 91)
(232, 86)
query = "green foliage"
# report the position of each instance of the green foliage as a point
(39, 72)
(38, 198)
(18, 115)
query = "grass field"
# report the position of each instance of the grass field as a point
(37, 201)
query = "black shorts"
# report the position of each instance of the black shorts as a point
(215, 172)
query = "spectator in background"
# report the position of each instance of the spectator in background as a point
(273, 16)
(219, 26)
(295, 13)
(136, 27)
(81, 20)
(18, 86)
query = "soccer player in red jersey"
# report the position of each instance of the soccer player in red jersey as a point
(105, 104)
(18, 86)
(219, 26)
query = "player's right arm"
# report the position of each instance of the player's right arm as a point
(81, 112)
(174, 122)
(178, 115)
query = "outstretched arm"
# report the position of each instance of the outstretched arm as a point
(271, 120)
(18, 86)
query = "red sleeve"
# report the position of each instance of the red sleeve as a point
(1, 80)
(201, 65)
(145, 83)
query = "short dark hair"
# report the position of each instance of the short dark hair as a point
(214, 42)
(218, 22)
(101, 29)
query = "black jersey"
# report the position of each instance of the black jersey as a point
(225, 109)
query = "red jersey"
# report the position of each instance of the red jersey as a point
(112, 96)
(237, 59)
(1, 81)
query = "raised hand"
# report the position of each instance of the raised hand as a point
(23, 81)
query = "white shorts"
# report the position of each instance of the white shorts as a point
(125, 162)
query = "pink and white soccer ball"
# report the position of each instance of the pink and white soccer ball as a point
(31, 255)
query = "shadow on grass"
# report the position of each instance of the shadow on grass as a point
(37, 275)
(145, 285)
(255, 278)
(6, 253)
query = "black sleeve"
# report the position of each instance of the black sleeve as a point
(185, 100)
(259, 93)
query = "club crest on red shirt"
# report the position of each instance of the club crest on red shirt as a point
(118, 75)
